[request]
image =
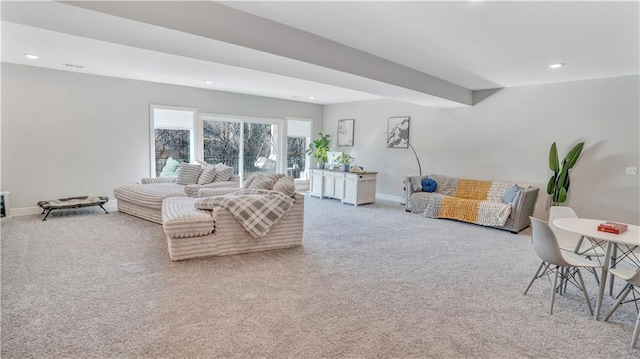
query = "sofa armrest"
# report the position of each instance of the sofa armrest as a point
(212, 192)
(409, 190)
(150, 180)
(225, 184)
(524, 208)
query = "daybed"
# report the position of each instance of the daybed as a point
(144, 200)
(192, 231)
(499, 205)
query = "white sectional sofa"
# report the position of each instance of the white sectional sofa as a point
(194, 233)
(144, 200)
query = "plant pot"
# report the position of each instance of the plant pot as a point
(345, 168)
(320, 165)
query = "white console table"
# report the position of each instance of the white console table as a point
(348, 187)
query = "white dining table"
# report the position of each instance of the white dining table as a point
(589, 229)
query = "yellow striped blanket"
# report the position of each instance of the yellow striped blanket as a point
(467, 200)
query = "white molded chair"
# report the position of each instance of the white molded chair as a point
(568, 241)
(633, 278)
(561, 263)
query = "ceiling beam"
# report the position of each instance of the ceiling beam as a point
(218, 22)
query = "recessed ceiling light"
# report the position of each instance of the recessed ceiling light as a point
(311, 98)
(556, 66)
(31, 56)
(208, 82)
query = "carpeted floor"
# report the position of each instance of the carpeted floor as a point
(368, 282)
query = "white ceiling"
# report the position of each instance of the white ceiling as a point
(429, 53)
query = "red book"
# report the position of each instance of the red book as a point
(612, 227)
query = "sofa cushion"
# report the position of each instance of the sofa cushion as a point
(286, 186)
(429, 185)
(446, 185)
(188, 174)
(223, 172)
(180, 219)
(208, 175)
(265, 180)
(170, 168)
(510, 195)
(249, 180)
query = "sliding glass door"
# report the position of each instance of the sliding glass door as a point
(247, 145)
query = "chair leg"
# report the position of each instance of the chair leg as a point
(618, 302)
(534, 278)
(584, 291)
(595, 274)
(636, 331)
(554, 288)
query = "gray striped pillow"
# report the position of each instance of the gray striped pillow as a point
(188, 174)
(286, 186)
(265, 181)
(208, 175)
(223, 172)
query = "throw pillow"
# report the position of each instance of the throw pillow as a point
(188, 174)
(286, 186)
(171, 165)
(208, 175)
(223, 172)
(510, 194)
(249, 180)
(265, 181)
(429, 185)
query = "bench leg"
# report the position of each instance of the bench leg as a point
(47, 214)
(105, 211)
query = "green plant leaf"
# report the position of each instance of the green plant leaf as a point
(562, 195)
(572, 157)
(562, 178)
(551, 184)
(553, 158)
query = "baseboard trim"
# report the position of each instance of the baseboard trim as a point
(110, 206)
(391, 198)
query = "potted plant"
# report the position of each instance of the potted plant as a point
(319, 149)
(558, 185)
(346, 160)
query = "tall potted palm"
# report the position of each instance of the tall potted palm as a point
(319, 149)
(558, 185)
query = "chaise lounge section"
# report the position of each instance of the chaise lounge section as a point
(195, 233)
(144, 200)
(212, 225)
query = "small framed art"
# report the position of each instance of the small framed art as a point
(398, 132)
(345, 132)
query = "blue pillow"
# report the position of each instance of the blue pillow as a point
(429, 185)
(510, 194)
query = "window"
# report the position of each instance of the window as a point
(172, 136)
(298, 139)
(248, 145)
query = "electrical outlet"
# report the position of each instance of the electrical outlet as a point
(632, 171)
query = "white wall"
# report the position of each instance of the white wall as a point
(68, 134)
(507, 137)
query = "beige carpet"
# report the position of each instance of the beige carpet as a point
(368, 282)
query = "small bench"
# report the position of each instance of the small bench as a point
(72, 202)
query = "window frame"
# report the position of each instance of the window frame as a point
(282, 133)
(307, 166)
(193, 148)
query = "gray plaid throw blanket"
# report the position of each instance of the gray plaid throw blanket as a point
(256, 209)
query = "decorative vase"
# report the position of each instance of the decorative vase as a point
(345, 168)
(320, 165)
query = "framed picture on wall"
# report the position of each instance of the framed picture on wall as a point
(345, 132)
(398, 132)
